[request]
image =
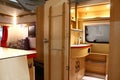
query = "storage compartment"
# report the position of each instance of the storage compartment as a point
(96, 63)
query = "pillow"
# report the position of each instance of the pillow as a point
(26, 44)
(12, 45)
(20, 44)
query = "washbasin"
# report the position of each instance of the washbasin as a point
(81, 50)
(81, 45)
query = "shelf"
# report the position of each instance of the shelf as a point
(97, 53)
(77, 30)
(97, 19)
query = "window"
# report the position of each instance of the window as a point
(1, 29)
(32, 31)
(97, 33)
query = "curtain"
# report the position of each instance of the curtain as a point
(4, 36)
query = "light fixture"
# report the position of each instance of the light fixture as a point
(72, 10)
(14, 21)
(87, 8)
(13, 0)
(108, 5)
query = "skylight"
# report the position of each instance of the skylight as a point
(14, 1)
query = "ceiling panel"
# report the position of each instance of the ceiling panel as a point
(11, 11)
(11, 8)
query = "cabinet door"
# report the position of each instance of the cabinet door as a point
(56, 38)
(58, 41)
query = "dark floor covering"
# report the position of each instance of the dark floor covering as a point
(39, 71)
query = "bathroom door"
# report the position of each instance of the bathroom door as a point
(56, 31)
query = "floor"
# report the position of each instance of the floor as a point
(39, 71)
(92, 78)
(39, 74)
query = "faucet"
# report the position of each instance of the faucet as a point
(79, 40)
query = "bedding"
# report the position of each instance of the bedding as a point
(20, 44)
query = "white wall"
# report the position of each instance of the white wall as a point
(32, 42)
(20, 32)
(25, 19)
(17, 32)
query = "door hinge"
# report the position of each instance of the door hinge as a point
(67, 67)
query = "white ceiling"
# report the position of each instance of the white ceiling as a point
(12, 9)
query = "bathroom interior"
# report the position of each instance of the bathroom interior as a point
(90, 27)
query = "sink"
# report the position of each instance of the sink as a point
(81, 45)
(80, 50)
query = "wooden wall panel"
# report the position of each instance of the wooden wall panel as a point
(115, 10)
(40, 34)
(100, 48)
(114, 57)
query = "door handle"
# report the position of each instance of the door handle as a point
(45, 40)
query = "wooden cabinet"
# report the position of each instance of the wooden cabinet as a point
(73, 24)
(78, 25)
(31, 69)
(77, 62)
(77, 68)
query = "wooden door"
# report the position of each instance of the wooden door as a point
(56, 31)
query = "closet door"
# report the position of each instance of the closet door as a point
(56, 31)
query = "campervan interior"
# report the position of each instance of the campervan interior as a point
(62, 49)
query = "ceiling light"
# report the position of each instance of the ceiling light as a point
(108, 5)
(13, 0)
(87, 8)
(14, 20)
(72, 10)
